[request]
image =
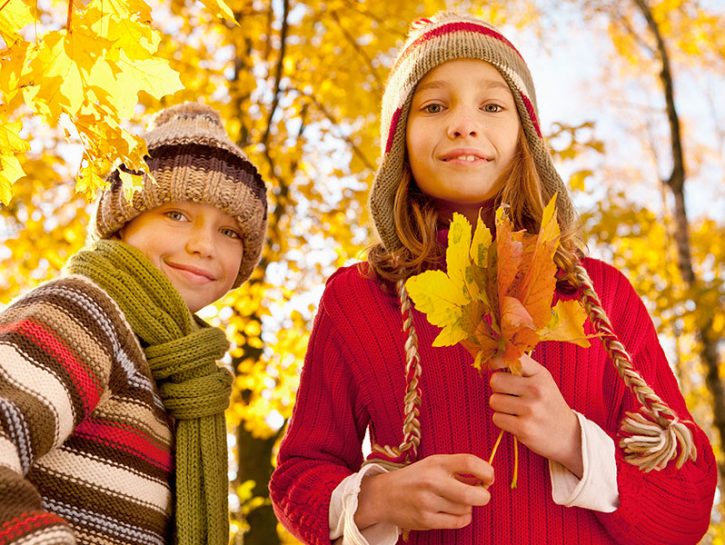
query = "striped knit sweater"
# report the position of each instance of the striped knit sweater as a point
(85, 443)
(354, 379)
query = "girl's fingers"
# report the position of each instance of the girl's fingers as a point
(460, 493)
(506, 422)
(506, 383)
(444, 506)
(467, 464)
(507, 404)
(444, 521)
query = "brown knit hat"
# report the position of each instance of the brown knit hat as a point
(192, 159)
(431, 42)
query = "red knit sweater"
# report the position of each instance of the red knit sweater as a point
(353, 379)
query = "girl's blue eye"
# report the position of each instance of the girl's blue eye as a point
(492, 108)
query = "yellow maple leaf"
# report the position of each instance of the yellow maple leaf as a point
(132, 33)
(123, 10)
(152, 75)
(482, 239)
(62, 86)
(566, 324)
(457, 256)
(14, 16)
(10, 168)
(442, 299)
(221, 9)
(13, 61)
(10, 172)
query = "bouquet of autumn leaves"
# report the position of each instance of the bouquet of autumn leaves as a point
(495, 297)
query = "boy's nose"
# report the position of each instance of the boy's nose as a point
(200, 241)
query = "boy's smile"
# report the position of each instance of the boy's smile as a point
(197, 246)
(462, 132)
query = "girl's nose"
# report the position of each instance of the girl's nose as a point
(463, 124)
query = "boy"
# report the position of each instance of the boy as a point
(108, 381)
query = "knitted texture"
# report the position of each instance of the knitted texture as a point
(85, 442)
(432, 42)
(182, 353)
(192, 159)
(353, 379)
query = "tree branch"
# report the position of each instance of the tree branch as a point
(331, 118)
(360, 52)
(278, 74)
(360, 8)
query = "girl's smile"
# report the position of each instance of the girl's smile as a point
(465, 156)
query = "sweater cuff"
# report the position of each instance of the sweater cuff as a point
(343, 505)
(597, 490)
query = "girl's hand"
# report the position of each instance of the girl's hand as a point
(532, 408)
(437, 492)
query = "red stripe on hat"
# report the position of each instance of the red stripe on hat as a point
(393, 125)
(532, 112)
(456, 27)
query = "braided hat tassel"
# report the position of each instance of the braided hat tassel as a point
(407, 452)
(653, 435)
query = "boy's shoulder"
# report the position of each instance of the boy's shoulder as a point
(68, 295)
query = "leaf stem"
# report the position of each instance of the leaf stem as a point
(495, 447)
(5, 4)
(515, 478)
(70, 15)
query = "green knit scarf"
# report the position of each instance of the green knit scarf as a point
(182, 352)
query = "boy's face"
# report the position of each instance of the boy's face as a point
(197, 247)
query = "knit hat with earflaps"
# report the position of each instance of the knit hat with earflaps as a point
(432, 42)
(652, 437)
(192, 159)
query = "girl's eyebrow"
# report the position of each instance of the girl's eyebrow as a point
(440, 84)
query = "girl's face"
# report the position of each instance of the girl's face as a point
(197, 247)
(462, 133)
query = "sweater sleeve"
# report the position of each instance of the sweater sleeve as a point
(671, 506)
(323, 441)
(50, 379)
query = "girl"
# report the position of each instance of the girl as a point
(105, 369)
(460, 134)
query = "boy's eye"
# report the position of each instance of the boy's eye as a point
(231, 233)
(175, 215)
(433, 108)
(492, 108)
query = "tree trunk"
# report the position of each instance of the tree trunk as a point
(255, 462)
(676, 184)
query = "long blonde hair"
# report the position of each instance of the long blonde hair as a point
(417, 221)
